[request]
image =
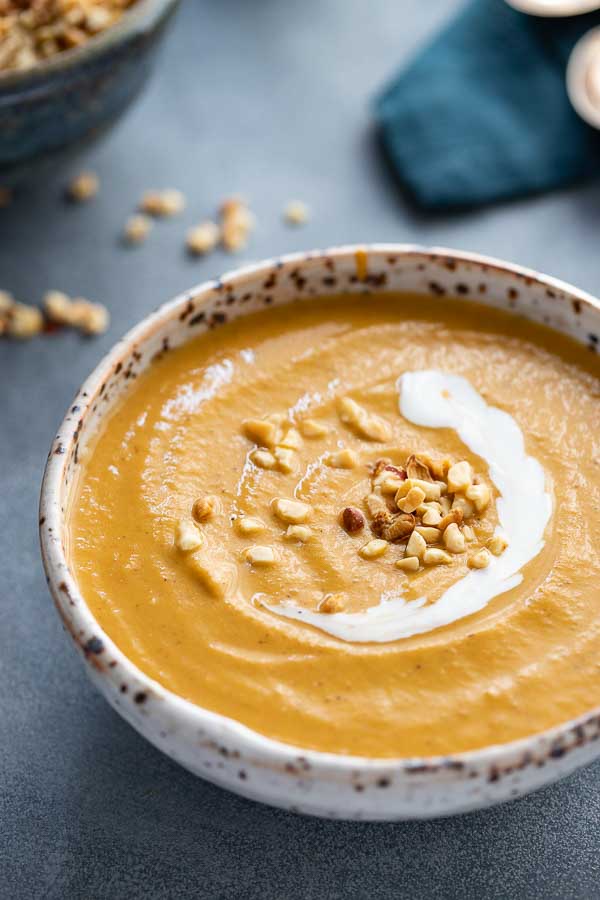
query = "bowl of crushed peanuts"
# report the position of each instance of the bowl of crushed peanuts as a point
(68, 70)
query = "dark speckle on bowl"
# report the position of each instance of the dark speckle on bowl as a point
(51, 112)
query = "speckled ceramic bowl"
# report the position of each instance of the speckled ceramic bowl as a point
(220, 749)
(50, 112)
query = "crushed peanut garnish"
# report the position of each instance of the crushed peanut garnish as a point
(310, 428)
(408, 564)
(187, 536)
(205, 508)
(286, 460)
(264, 459)
(293, 512)
(300, 533)
(262, 431)
(343, 459)
(332, 603)
(83, 187)
(248, 525)
(373, 549)
(497, 545)
(352, 519)
(479, 560)
(260, 556)
(365, 424)
(88, 317)
(24, 322)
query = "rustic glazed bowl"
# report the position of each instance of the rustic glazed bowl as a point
(52, 111)
(220, 749)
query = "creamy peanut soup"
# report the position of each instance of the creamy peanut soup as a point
(364, 526)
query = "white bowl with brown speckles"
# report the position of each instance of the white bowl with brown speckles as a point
(220, 749)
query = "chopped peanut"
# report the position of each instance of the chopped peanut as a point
(388, 483)
(24, 321)
(352, 519)
(411, 500)
(310, 428)
(292, 439)
(454, 539)
(237, 223)
(435, 557)
(293, 512)
(445, 505)
(248, 525)
(431, 489)
(364, 423)
(187, 536)
(431, 535)
(163, 204)
(461, 504)
(205, 508)
(261, 431)
(431, 516)
(264, 459)
(137, 228)
(497, 544)
(455, 515)
(300, 533)
(296, 212)
(373, 549)
(408, 564)
(459, 477)
(468, 533)
(479, 560)
(83, 187)
(395, 528)
(479, 495)
(203, 238)
(416, 545)
(331, 604)
(342, 459)
(260, 556)
(90, 318)
(286, 461)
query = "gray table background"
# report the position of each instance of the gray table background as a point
(269, 98)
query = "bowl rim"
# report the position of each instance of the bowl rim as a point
(144, 14)
(79, 620)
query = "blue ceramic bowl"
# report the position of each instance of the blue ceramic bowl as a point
(52, 111)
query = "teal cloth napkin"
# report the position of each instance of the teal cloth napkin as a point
(482, 114)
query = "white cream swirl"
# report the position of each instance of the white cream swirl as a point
(436, 399)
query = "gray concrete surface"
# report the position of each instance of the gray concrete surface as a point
(270, 98)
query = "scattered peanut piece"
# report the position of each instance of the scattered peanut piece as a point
(163, 204)
(261, 431)
(430, 535)
(237, 223)
(454, 539)
(411, 500)
(264, 459)
(137, 228)
(459, 477)
(293, 512)
(468, 533)
(296, 212)
(300, 533)
(497, 544)
(286, 460)
(479, 495)
(260, 556)
(388, 483)
(434, 557)
(373, 549)
(431, 516)
(408, 564)
(366, 424)
(24, 322)
(352, 519)
(464, 506)
(292, 439)
(416, 545)
(248, 525)
(187, 536)
(310, 428)
(83, 187)
(90, 318)
(479, 560)
(331, 604)
(205, 508)
(455, 515)
(342, 459)
(394, 529)
(431, 489)
(203, 238)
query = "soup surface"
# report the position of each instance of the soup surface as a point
(363, 527)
